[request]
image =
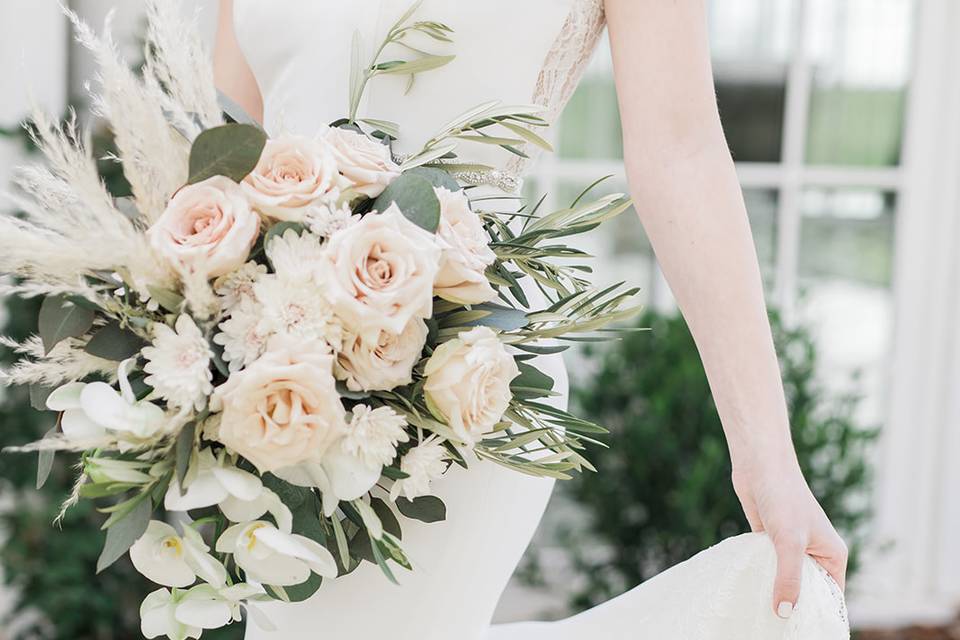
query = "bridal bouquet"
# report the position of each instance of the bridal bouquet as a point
(269, 351)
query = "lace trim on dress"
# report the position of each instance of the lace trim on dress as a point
(564, 67)
(562, 70)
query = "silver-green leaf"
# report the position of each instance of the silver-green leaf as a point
(61, 319)
(230, 150)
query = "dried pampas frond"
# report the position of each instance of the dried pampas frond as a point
(66, 362)
(71, 229)
(154, 154)
(178, 65)
(199, 295)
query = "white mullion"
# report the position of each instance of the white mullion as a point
(799, 85)
(755, 175)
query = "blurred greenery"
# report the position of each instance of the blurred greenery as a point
(662, 492)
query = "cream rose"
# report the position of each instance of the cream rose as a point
(382, 364)
(283, 409)
(206, 228)
(364, 162)
(379, 273)
(468, 382)
(293, 174)
(466, 252)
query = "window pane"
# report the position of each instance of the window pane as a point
(590, 126)
(749, 41)
(762, 209)
(847, 234)
(846, 256)
(860, 52)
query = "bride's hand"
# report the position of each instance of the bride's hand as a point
(777, 500)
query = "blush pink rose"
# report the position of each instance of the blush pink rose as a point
(468, 382)
(207, 228)
(283, 409)
(466, 252)
(293, 174)
(378, 274)
(383, 364)
(364, 162)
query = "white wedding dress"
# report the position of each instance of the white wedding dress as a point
(518, 52)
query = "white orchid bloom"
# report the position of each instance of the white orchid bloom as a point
(240, 494)
(172, 560)
(342, 475)
(184, 614)
(271, 556)
(96, 409)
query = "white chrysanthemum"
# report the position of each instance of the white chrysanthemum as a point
(294, 308)
(374, 434)
(295, 255)
(325, 221)
(241, 336)
(423, 464)
(179, 364)
(237, 286)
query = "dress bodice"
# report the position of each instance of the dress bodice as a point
(527, 52)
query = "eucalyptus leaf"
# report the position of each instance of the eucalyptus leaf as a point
(436, 177)
(499, 317)
(425, 508)
(394, 473)
(112, 342)
(230, 150)
(61, 319)
(387, 518)
(124, 532)
(38, 396)
(414, 196)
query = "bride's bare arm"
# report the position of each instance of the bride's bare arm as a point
(231, 71)
(686, 191)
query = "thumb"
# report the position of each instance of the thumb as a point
(786, 589)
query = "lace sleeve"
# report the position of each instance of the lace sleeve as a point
(564, 65)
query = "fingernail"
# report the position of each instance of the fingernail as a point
(785, 609)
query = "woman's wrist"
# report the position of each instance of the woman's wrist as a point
(765, 457)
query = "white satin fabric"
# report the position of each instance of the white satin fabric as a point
(512, 51)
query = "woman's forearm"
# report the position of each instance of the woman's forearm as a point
(692, 209)
(686, 192)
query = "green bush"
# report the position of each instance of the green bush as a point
(663, 489)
